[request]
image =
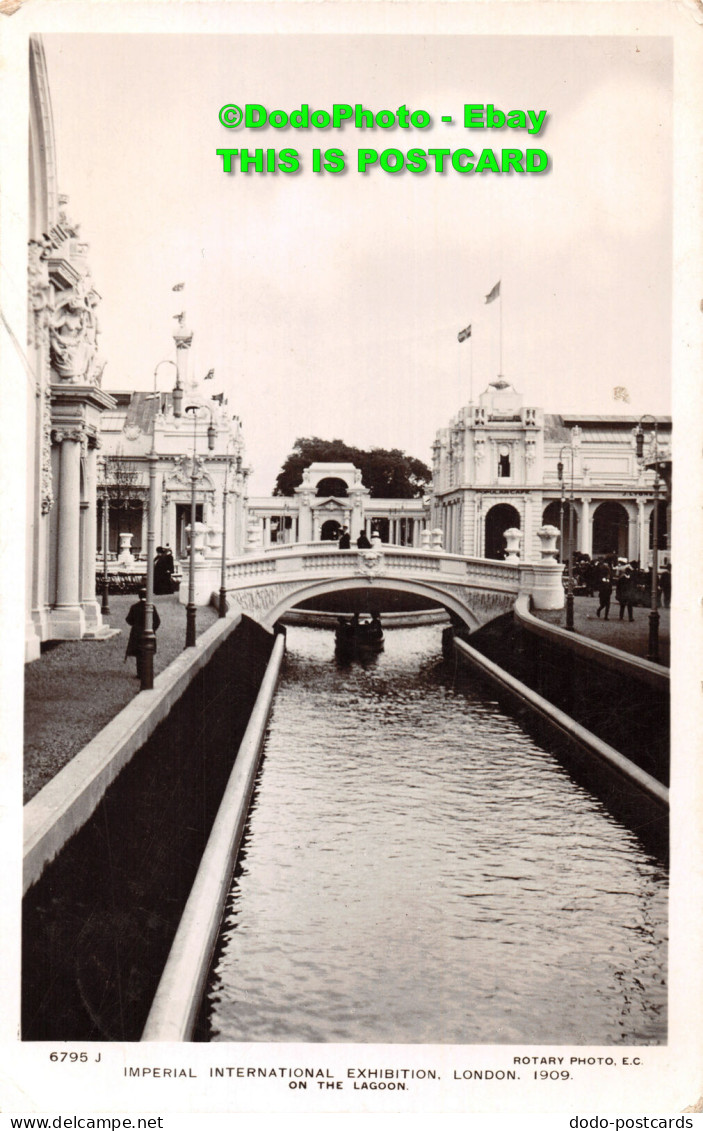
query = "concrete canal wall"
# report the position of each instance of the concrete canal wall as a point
(604, 714)
(621, 699)
(113, 850)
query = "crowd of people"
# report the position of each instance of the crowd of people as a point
(362, 541)
(631, 584)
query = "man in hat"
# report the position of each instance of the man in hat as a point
(135, 619)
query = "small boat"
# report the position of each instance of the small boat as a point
(358, 639)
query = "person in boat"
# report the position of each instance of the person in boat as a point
(375, 629)
(362, 541)
(345, 540)
(345, 630)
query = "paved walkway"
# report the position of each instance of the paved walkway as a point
(77, 686)
(618, 633)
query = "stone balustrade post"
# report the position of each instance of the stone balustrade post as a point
(512, 543)
(548, 536)
(199, 533)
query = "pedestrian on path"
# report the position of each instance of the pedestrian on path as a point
(605, 591)
(665, 582)
(625, 593)
(345, 540)
(135, 619)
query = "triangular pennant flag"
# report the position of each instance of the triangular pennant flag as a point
(494, 292)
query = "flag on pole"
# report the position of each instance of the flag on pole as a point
(209, 375)
(494, 292)
(178, 287)
(464, 334)
(620, 393)
(219, 397)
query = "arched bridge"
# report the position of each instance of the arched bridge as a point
(476, 590)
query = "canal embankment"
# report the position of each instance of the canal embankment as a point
(620, 698)
(113, 843)
(607, 712)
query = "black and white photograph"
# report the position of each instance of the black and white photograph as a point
(351, 361)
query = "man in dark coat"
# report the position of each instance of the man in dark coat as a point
(363, 542)
(625, 593)
(345, 540)
(605, 590)
(135, 619)
(665, 582)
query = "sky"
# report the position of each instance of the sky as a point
(330, 304)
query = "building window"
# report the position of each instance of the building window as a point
(504, 463)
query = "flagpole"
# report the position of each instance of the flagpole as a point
(500, 297)
(471, 369)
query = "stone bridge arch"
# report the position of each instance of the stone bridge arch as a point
(269, 603)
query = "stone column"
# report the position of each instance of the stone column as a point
(585, 527)
(68, 619)
(89, 603)
(632, 532)
(305, 524)
(642, 533)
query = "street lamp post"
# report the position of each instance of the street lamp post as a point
(223, 572)
(147, 644)
(653, 650)
(570, 582)
(190, 607)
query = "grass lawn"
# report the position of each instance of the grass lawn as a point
(78, 686)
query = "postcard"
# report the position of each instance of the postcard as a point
(350, 476)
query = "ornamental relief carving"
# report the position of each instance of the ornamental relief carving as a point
(39, 296)
(370, 563)
(68, 433)
(46, 475)
(73, 334)
(480, 599)
(183, 472)
(262, 599)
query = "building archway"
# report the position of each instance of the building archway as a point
(331, 487)
(610, 530)
(499, 519)
(552, 516)
(330, 530)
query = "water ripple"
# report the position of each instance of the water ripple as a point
(418, 869)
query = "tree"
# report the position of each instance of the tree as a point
(121, 484)
(388, 473)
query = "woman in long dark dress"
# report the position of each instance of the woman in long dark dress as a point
(163, 570)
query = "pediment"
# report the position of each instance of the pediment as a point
(330, 504)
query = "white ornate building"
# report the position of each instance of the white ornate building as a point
(141, 423)
(64, 400)
(331, 496)
(495, 467)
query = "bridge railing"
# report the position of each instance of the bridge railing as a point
(301, 558)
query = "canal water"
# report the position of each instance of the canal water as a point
(416, 868)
